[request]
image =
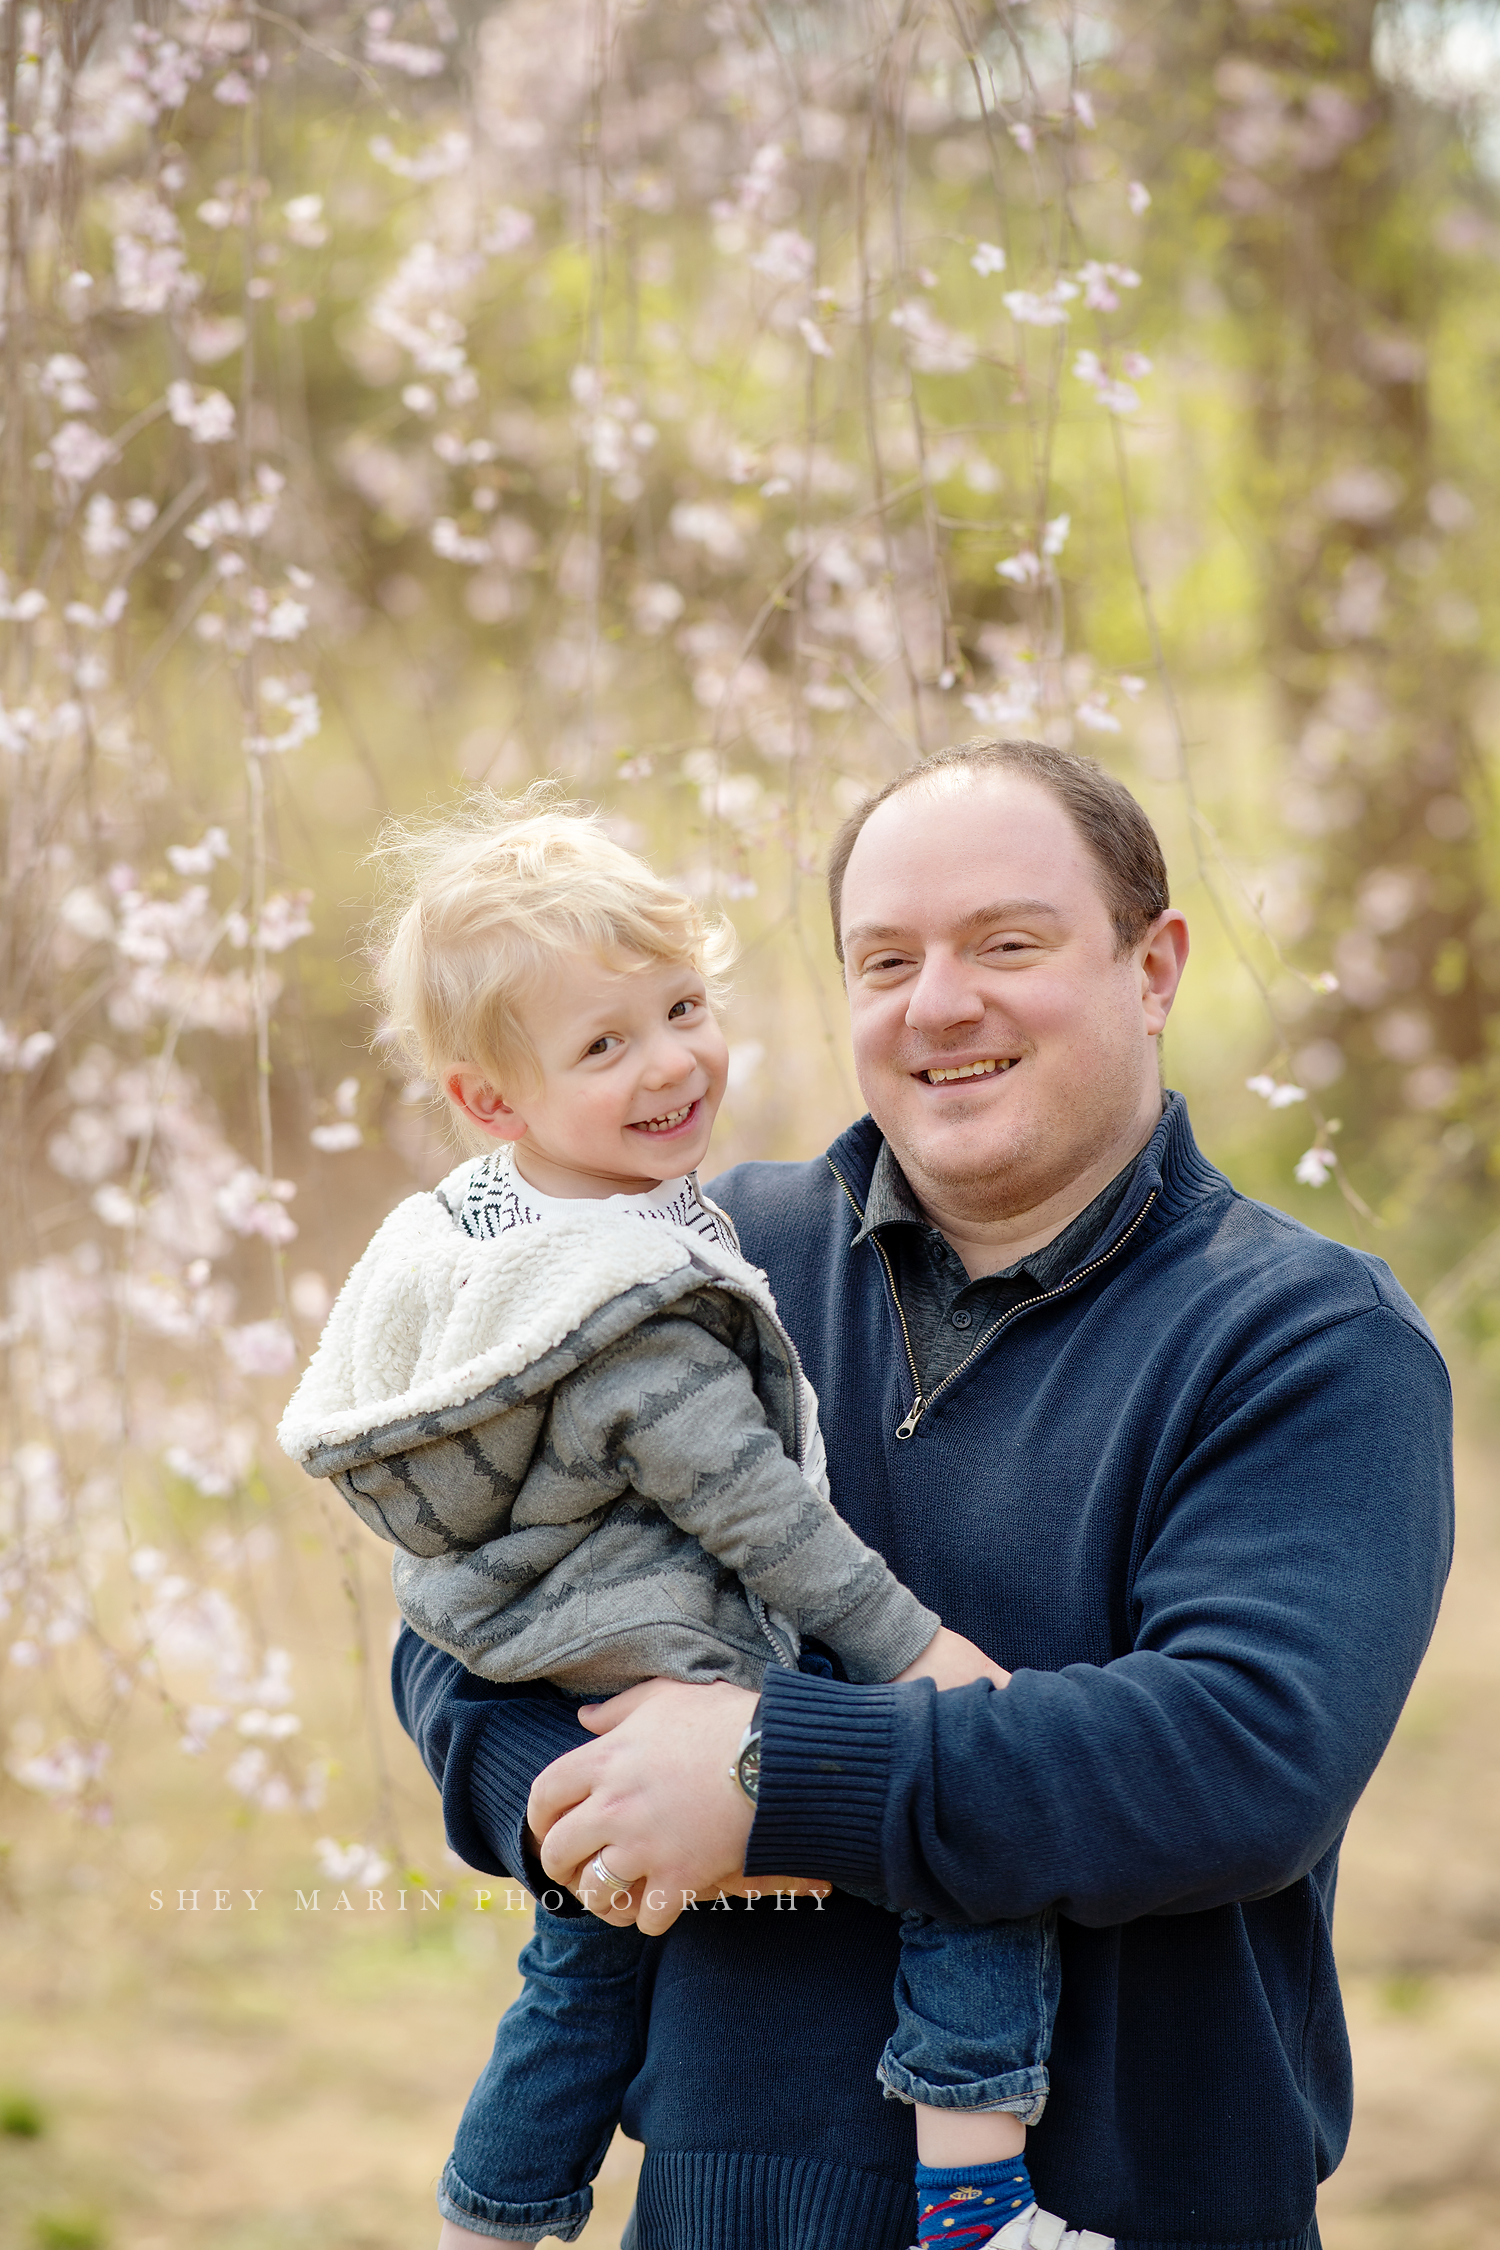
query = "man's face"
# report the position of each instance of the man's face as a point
(1002, 1046)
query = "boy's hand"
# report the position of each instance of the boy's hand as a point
(951, 1661)
(655, 1797)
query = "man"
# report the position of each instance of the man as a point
(1178, 1463)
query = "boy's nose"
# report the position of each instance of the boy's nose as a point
(669, 1063)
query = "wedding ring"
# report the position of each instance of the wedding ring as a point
(602, 1873)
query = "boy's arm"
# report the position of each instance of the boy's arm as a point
(672, 1410)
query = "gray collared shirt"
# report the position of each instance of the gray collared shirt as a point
(947, 1313)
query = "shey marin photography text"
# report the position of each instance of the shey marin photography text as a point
(409, 1898)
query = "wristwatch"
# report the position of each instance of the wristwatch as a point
(745, 1766)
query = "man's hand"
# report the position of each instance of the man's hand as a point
(949, 1660)
(655, 1799)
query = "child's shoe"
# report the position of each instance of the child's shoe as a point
(1044, 2230)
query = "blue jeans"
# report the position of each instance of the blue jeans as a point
(974, 2010)
(544, 2108)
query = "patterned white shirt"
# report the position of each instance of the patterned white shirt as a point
(497, 1199)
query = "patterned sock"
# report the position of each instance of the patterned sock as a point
(964, 2204)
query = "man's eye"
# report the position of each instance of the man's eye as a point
(887, 961)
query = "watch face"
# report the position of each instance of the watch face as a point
(749, 1768)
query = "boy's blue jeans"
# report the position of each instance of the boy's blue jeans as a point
(974, 2010)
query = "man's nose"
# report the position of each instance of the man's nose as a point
(944, 994)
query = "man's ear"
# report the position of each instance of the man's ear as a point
(1163, 957)
(471, 1092)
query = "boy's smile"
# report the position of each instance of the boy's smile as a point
(632, 1068)
(667, 1124)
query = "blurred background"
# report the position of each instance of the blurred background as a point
(714, 407)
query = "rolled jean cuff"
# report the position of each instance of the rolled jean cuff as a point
(1021, 2092)
(565, 2217)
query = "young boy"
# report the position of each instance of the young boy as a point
(561, 1393)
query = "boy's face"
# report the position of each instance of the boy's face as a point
(633, 1067)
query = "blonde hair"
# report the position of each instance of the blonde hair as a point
(480, 903)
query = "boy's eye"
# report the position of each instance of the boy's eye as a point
(680, 1008)
(600, 1046)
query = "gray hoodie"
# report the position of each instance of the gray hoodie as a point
(594, 1449)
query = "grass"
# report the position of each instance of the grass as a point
(64, 2230)
(229, 2080)
(21, 2117)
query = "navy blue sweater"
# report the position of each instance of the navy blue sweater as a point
(1199, 1500)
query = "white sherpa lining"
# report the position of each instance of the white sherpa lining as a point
(431, 1317)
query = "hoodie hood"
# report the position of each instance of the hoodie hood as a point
(435, 1330)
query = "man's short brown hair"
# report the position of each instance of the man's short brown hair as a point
(1119, 837)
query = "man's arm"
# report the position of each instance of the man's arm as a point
(1280, 1605)
(484, 1746)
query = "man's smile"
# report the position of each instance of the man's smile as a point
(942, 1074)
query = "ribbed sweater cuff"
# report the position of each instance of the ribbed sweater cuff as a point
(825, 1761)
(506, 1759)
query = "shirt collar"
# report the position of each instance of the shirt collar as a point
(890, 1199)
(890, 1202)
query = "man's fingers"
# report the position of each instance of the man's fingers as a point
(562, 1844)
(615, 1903)
(590, 1827)
(659, 1904)
(649, 1907)
(659, 1909)
(653, 1904)
(557, 1789)
(652, 1793)
(599, 1718)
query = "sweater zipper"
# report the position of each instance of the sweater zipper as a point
(920, 1400)
(799, 1415)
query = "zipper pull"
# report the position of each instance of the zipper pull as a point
(918, 1409)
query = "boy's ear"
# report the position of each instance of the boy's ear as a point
(483, 1106)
